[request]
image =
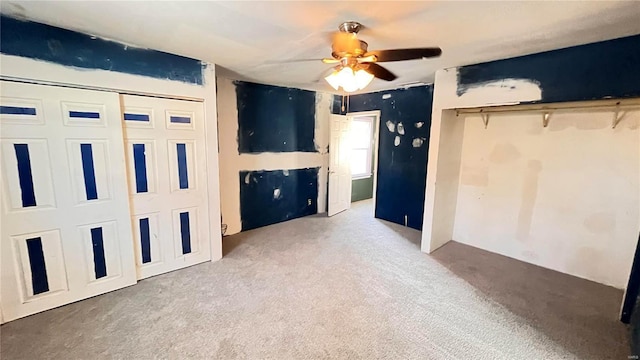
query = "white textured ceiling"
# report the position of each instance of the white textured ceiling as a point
(249, 40)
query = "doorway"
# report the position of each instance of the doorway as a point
(364, 156)
(353, 159)
(362, 148)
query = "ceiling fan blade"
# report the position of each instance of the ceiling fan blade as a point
(405, 54)
(330, 61)
(290, 61)
(379, 72)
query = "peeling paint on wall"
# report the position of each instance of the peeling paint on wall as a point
(402, 168)
(276, 194)
(65, 47)
(607, 69)
(507, 90)
(275, 119)
(391, 126)
(232, 162)
(400, 128)
(271, 196)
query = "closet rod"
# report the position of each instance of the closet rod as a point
(601, 105)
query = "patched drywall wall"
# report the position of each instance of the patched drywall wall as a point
(264, 159)
(611, 68)
(47, 43)
(275, 119)
(403, 140)
(564, 197)
(603, 70)
(269, 197)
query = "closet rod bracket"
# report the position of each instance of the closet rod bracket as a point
(485, 119)
(617, 116)
(545, 118)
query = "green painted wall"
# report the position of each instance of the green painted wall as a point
(362, 189)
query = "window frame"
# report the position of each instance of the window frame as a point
(371, 120)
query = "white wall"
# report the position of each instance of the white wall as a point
(445, 141)
(563, 197)
(443, 168)
(231, 162)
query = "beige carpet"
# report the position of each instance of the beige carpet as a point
(347, 287)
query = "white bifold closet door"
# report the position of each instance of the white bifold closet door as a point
(66, 226)
(166, 158)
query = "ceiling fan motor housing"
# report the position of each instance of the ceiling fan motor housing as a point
(340, 51)
(347, 44)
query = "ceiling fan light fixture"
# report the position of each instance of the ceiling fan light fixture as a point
(349, 79)
(363, 78)
(333, 79)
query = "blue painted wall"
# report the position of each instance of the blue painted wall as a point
(402, 169)
(275, 119)
(269, 197)
(65, 47)
(608, 69)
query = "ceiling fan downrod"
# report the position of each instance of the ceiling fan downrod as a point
(352, 27)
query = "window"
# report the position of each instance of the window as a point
(361, 146)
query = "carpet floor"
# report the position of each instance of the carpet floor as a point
(345, 287)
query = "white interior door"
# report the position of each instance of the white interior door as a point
(66, 231)
(339, 164)
(166, 156)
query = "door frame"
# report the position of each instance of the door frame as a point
(19, 69)
(376, 141)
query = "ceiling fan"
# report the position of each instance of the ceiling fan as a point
(357, 66)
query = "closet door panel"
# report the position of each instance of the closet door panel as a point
(166, 158)
(66, 231)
